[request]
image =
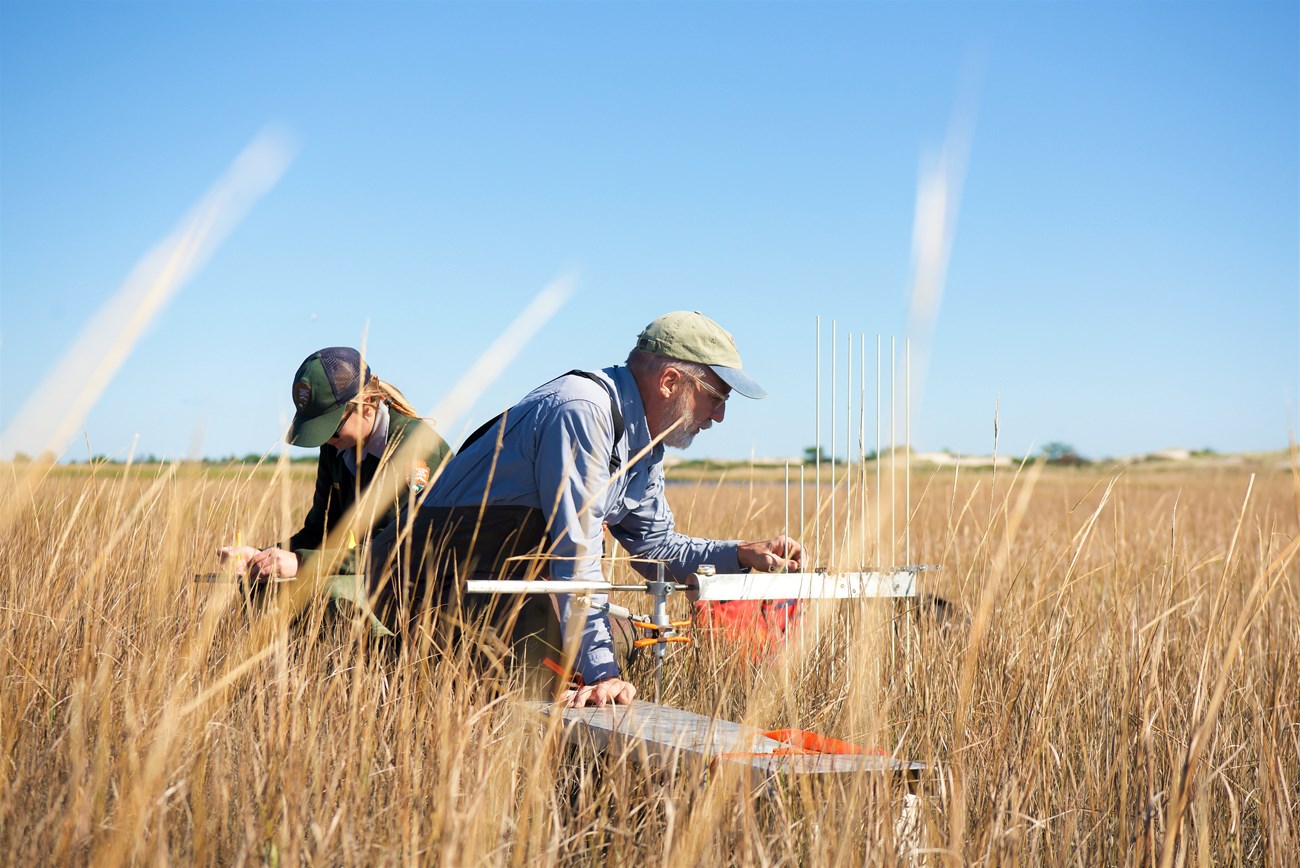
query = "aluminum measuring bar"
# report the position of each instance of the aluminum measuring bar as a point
(806, 586)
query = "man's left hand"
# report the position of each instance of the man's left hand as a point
(775, 555)
(611, 691)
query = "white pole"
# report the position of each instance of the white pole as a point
(907, 498)
(817, 449)
(834, 365)
(907, 428)
(848, 448)
(893, 450)
(803, 540)
(893, 476)
(862, 443)
(785, 501)
(880, 504)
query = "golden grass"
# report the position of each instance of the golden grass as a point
(1125, 691)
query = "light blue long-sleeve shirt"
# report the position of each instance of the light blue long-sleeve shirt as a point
(555, 456)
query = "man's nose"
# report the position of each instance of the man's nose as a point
(719, 411)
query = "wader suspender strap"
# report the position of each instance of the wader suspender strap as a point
(615, 416)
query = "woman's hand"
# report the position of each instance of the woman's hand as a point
(236, 555)
(273, 563)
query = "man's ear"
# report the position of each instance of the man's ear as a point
(668, 379)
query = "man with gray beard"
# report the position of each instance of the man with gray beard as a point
(578, 455)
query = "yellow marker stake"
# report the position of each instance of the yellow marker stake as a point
(352, 540)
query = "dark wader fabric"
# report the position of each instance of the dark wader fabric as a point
(422, 582)
(451, 545)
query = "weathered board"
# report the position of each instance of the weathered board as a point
(659, 735)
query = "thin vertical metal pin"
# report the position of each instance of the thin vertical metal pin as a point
(907, 428)
(817, 451)
(880, 504)
(785, 527)
(907, 497)
(893, 451)
(893, 499)
(834, 366)
(862, 443)
(848, 448)
(804, 538)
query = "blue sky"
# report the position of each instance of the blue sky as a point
(1124, 271)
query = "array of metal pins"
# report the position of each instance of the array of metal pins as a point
(838, 556)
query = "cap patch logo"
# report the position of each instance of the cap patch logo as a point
(419, 476)
(301, 393)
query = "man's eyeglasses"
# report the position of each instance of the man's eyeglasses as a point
(713, 393)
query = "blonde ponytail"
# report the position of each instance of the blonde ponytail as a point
(383, 391)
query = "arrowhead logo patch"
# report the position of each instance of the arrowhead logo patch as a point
(419, 476)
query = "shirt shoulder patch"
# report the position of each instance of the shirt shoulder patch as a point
(418, 476)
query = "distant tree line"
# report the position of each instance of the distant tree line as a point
(150, 458)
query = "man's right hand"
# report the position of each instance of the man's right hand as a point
(779, 554)
(611, 691)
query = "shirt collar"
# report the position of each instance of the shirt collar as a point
(635, 426)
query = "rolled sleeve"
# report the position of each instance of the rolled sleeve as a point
(647, 532)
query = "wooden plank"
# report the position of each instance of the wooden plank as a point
(660, 735)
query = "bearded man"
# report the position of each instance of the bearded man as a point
(540, 483)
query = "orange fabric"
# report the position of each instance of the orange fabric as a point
(757, 627)
(817, 743)
(803, 743)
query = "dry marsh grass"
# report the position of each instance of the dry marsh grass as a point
(1123, 689)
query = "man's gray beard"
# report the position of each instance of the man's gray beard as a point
(678, 408)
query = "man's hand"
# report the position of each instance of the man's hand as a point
(779, 554)
(273, 563)
(613, 691)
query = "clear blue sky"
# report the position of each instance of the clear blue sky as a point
(1125, 268)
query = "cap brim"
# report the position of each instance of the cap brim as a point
(311, 433)
(739, 381)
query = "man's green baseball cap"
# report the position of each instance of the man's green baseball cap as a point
(692, 337)
(326, 381)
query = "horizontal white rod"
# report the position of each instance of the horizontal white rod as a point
(541, 586)
(736, 586)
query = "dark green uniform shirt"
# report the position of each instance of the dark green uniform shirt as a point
(337, 489)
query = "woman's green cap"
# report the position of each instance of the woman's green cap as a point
(690, 336)
(326, 381)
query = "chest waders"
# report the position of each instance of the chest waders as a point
(451, 545)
